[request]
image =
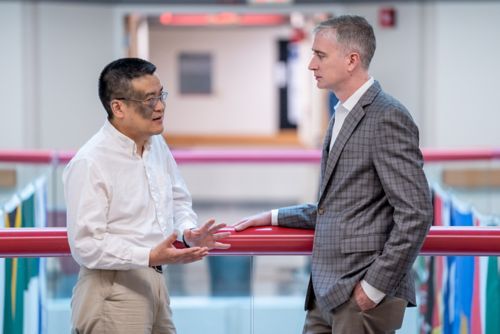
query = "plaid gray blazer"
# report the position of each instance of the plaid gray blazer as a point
(374, 208)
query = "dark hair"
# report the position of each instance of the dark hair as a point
(115, 78)
(354, 33)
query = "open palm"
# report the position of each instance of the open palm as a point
(207, 236)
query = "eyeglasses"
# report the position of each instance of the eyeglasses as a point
(150, 102)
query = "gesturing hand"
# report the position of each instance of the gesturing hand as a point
(166, 253)
(207, 236)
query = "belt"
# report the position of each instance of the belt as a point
(158, 269)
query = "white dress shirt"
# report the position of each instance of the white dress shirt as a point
(343, 109)
(341, 112)
(120, 205)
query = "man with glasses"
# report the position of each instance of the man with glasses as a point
(126, 205)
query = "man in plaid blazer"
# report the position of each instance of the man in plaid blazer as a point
(374, 208)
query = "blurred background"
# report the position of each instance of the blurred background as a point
(236, 73)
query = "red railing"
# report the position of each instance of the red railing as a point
(479, 241)
(28, 156)
(257, 241)
(246, 156)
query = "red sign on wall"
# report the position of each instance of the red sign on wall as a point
(387, 17)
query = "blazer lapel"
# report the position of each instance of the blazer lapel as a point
(350, 123)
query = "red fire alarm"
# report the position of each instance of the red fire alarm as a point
(387, 17)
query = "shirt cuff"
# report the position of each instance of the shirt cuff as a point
(274, 217)
(186, 225)
(140, 256)
(185, 243)
(373, 293)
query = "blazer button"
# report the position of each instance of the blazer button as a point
(321, 211)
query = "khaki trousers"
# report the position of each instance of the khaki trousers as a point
(348, 318)
(121, 301)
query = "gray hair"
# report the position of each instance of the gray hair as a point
(353, 33)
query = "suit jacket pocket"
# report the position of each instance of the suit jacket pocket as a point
(363, 243)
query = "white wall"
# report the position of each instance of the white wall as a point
(51, 55)
(76, 42)
(467, 72)
(244, 99)
(440, 60)
(11, 83)
(396, 63)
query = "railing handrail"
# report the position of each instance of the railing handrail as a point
(247, 156)
(272, 240)
(263, 241)
(28, 156)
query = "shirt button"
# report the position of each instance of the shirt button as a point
(321, 211)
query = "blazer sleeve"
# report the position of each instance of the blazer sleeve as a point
(298, 216)
(398, 162)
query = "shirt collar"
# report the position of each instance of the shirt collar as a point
(124, 142)
(356, 96)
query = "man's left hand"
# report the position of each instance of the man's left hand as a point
(207, 236)
(361, 298)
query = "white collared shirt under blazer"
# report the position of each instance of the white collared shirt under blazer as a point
(120, 205)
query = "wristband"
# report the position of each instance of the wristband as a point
(184, 241)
